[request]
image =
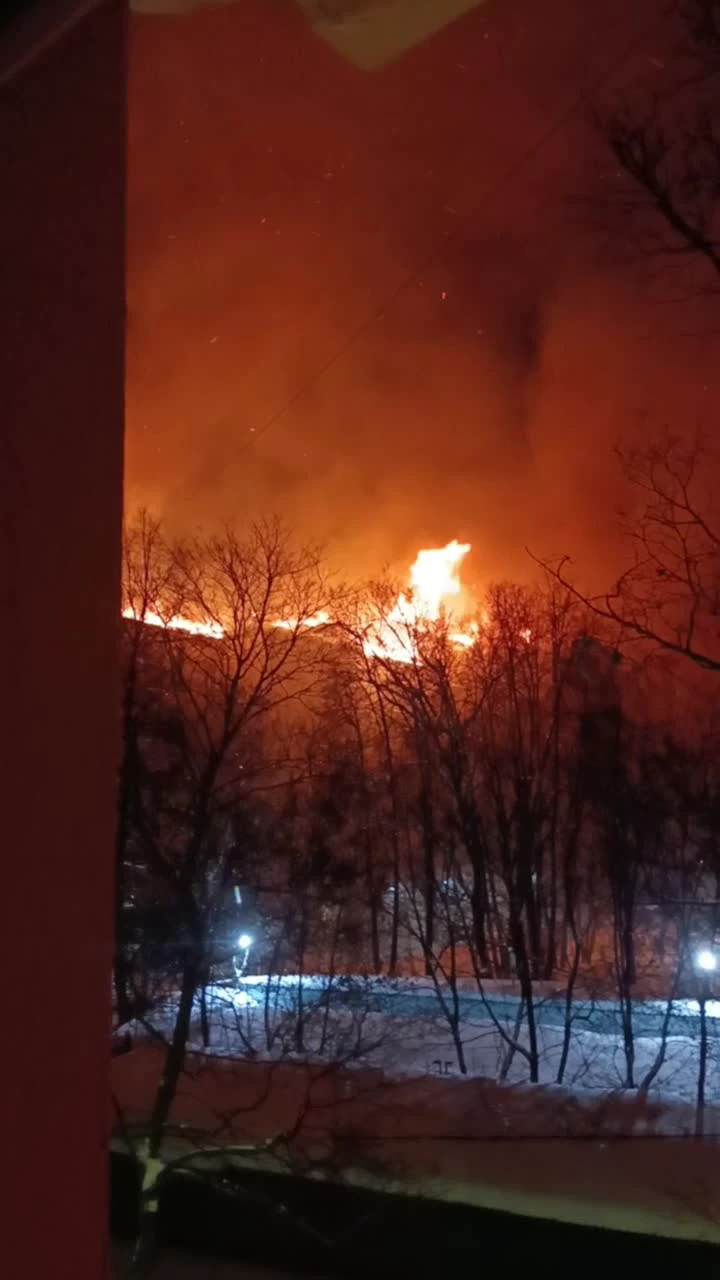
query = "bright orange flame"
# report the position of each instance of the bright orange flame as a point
(434, 580)
(212, 630)
(320, 619)
(466, 639)
(434, 577)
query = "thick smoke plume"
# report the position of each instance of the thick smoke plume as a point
(395, 307)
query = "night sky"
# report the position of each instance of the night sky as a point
(398, 305)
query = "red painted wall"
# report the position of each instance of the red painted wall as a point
(62, 231)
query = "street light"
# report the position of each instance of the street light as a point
(706, 964)
(240, 962)
(706, 960)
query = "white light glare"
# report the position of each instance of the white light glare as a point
(706, 960)
(245, 941)
(243, 1000)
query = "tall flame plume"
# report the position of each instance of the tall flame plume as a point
(434, 583)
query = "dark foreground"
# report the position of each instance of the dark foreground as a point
(305, 1227)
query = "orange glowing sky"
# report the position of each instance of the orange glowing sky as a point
(405, 272)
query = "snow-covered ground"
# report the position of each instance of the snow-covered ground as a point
(499, 996)
(382, 1096)
(363, 1023)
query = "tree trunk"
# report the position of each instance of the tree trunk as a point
(568, 1019)
(300, 1012)
(204, 1019)
(702, 1070)
(174, 1060)
(628, 1034)
(394, 922)
(372, 907)
(429, 896)
(552, 912)
(164, 1099)
(511, 1049)
(524, 972)
(478, 902)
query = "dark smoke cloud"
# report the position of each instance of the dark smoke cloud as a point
(417, 231)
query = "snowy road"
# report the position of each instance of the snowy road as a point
(410, 998)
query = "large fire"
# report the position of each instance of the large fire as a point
(434, 585)
(434, 582)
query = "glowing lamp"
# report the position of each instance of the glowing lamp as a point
(706, 960)
(245, 941)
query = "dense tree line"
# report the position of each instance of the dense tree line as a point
(512, 808)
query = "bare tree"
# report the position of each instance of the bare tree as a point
(148, 578)
(488, 724)
(669, 595)
(619, 812)
(238, 661)
(667, 145)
